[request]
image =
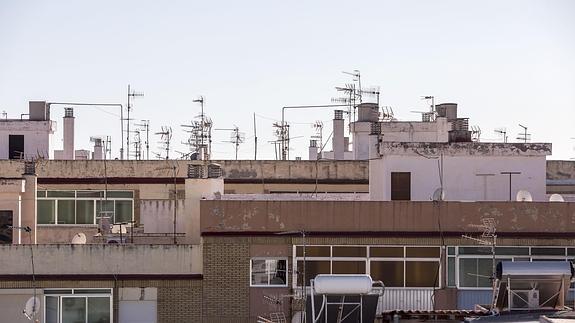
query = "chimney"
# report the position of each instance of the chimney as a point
(313, 150)
(338, 132)
(28, 215)
(68, 134)
(98, 151)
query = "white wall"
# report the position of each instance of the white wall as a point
(460, 180)
(36, 137)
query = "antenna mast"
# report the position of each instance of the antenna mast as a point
(525, 137)
(131, 94)
(146, 127)
(165, 137)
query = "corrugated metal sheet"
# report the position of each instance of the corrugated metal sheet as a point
(418, 299)
(466, 299)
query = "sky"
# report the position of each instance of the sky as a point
(505, 62)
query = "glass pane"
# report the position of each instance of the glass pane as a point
(392, 252)
(120, 194)
(451, 250)
(422, 252)
(84, 194)
(348, 267)
(259, 272)
(313, 268)
(40, 193)
(98, 310)
(92, 291)
(421, 273)
(66, 212)
(57, 291)
(451, 272)
(51, 309)
(46, 211)
(570, 251)
(514, 251)
(389, 272)
(313, 251)
(73, 309)
(475, 251)
(548, 251)
(84, 212)
(61, 194)
(340, 251)
(123, 212)
(105, 209)
(277, 271)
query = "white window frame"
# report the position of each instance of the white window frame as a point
(95, 199)
(72, 294)
(268, 285)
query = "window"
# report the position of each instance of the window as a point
(400, 186)
(268, 272)
(5, 224)
(472, 266)
(84, 207)
(15, 146)
(395, 266)
(78, 306)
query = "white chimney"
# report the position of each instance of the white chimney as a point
(68, 134)
(98, 149)
(313, 150)
(338, 132)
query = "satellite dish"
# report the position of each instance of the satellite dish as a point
(523, 196)
(79, 238)
(32, 307)
(556, 198)
(438, 195)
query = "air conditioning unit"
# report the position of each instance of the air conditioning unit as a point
(527, 299)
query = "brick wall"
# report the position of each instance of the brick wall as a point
(226, 280)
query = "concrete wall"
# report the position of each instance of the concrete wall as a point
(101, 259)
(411, 131)
(398, 217)
(10, 200)
(240, 170)
(36, 137)
(461, 164)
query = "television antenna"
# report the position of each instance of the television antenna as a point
(131, 95)
(165, 138)
(426, 116)
(488, 238)
(236, 137)
(145, 126)
(556, 198)
(137, 145)
(502, 132)
(431, 113)
(524, 136)
(475, 133)
(387, 113)
(32, 308)
(523, 196)
(79, 238)
(318, 127)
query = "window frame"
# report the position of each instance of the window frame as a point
(72, 294)
(103, 197)
(368, 259)
(268, 285)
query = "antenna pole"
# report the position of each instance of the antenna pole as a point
(510, 174)
(255, 139)
(128, 127)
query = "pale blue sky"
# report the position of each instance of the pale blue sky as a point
(503, 62)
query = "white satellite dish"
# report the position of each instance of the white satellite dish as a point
(32, 307)
(524, 196)
(438, 194)
(556, 198)
(79, 238)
